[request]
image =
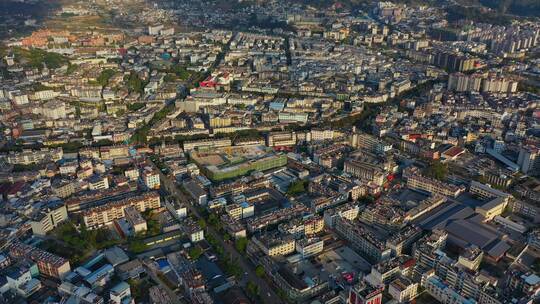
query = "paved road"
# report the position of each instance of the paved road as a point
(267, 294)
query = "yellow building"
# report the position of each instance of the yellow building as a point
(313, 225)
(403, 289)
(220, 122)
(273, 245)
(99, 216)
(495, 201)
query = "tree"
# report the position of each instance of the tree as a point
(137, 246)
(169, 78)
(259, 271)
(181, 72)
(103, 78)
(135, 84)
(135, 106)
(367, 199)
(252, 289)
(231, 267)
(297, 187)
(202, 223)
(195, 253)
(241, 244)
(212, 219)
(437, 170)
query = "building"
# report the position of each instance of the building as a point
(240, 210)
(193, 230)
(347, 211)
(120, 293)
(366, 241)
(135, 219)
(441, 291)
(386, 271)
(494, 203)
(471, 257)
(54, 110)
(273, 245)
(403, 289)
(130, 270)
(364, 294)
(529, 160)
(49, 217)
(485, 83)
(431, 185)
(286, 117)
(97, 182)
(28, 157)
(155, 29)
(456, 276)
(21, 279)
(207, 144)
(79, 294)
(309, 247)
(369, 143)
(280, 139)
(113, 152)
(132, 174)
(63, 189)
(219, 121)
(365, 171)
(177, 209)
(150, 178)
(108, 212)
(313, 225)
(196, 191)
(48, 264)
(230, 162)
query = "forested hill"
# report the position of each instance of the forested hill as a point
(529, 8)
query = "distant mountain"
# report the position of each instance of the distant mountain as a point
(34, 9)
(528, 8)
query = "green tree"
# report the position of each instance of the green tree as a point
(181, 72)
(195, 252)
(259, 271)
(233, 268)
(137, 246)
(437, 170)
(135, 106)
(71, 68)
(297, 187)
(169, 78)
(105, 76)
(212, 219)
(202, 223)
(241, 244)
(367, 199)
(134, 83)
(252, 289)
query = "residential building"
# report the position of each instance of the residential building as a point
(49, 217)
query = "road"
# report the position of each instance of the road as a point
(267, 294)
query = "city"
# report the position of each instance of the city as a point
(270, 151)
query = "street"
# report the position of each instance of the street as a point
(266, 292)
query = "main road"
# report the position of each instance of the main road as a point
(267, 294)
